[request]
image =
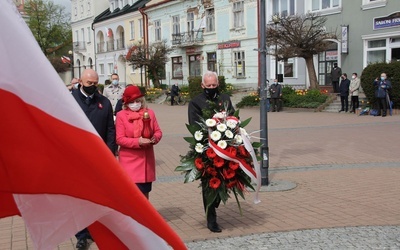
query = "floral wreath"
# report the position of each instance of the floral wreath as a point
(222, 157)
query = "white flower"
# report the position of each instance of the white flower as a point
(229, 134)
(198, 135)
(215, 135)
(231, 123)
(210, 123)
(222, 144)
(220, 115)
(238, 139)
(199, 148)
(221, 127)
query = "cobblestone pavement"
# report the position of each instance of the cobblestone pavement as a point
(340, 173)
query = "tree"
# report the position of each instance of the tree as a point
(153, 57)
(299, 36)
(50, 25)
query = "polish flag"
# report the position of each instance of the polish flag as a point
(65, 59)
(55, 171)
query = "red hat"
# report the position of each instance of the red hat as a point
(131, 93)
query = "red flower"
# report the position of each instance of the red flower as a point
(229, 173)
(199, 163)
(100, 106)
(233, 165)
(210, 153)
(242, 151)
(232, 151)
(231, 183)
(218, 162)
(214, 182)
(211, 171)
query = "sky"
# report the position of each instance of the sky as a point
(66, 3)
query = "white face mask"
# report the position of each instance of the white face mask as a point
(134, 106)
(353, 77)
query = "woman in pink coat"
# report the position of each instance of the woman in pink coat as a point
(136, 154)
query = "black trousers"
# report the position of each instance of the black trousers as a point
(335, 85)
(354, 103)
(212, 213)
(276, 104)
(382, 105)
(345, 103)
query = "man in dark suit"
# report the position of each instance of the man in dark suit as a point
(99, 111)
(344, 92)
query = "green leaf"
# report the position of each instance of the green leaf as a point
(245, 122)
(193, 128)
(256, 144)
(236, 114)
(191, 140)
(191, 175)
(237, 201)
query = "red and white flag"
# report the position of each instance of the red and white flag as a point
(65, 59)
(55, 171)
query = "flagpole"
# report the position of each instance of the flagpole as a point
(72, 63)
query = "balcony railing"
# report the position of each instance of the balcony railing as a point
(111, 45)
(188, 38)
(120, 43)
(100, 47)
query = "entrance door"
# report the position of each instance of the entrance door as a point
(325, 64)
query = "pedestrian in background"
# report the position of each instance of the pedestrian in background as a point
(382, 86)
(354, 91)
(174, 93)
(336, 73)
(114, 91)
(344, 93)
(276, 96)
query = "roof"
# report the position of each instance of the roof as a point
(107, 14)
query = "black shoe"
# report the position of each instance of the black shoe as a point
(82, 244)
(341, 110)
(383, 115)
(214, 227)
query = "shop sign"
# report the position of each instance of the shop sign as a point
(229, 45)
(390, 21)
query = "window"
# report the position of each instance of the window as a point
(157, 30)
(212, 61)
(132, 26)
(210, 20)
(101, 66)
(194, 65)
(190, 21)
(376, 51)
(324, 4)
(176, 26)
(239, 64)
(83, 34)
(110, 68)
(283, 7)
(177, 67)
(88, 35)
(238, 14)
(288, 67)
(76, 36)
(140, 22)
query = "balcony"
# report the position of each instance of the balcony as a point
(120, 43)
(79, 46)
(188, 39)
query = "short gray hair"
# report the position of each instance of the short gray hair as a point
(209, 74)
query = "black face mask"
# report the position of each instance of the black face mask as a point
(89, 90)
(211, 93)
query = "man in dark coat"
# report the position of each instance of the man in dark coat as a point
(344, 92)
(198, 108)
(174, 92)
(276, 94)
(336, 73)
(99, 111)
(382, 86)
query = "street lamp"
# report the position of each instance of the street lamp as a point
(276, 19)
(72, 63)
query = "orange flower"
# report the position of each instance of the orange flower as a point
(229, 173)
(218, 161)
(210, 153)
(199, 163)
(232, 151)
(214, 182)
(233, 165)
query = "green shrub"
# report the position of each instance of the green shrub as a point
(302, 98)
(372, 71)
(249, 101)
(195, 85)
(100, 87)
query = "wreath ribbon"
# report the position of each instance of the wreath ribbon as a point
(254, 174)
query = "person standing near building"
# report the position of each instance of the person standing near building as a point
(336, 73)
(114, 91)
(174, 92)
(98, 110)
(197, 112)
(382, 86)
(354, 91)
(276, 95)
(344, 93)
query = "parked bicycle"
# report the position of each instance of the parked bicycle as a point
(178, 100)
